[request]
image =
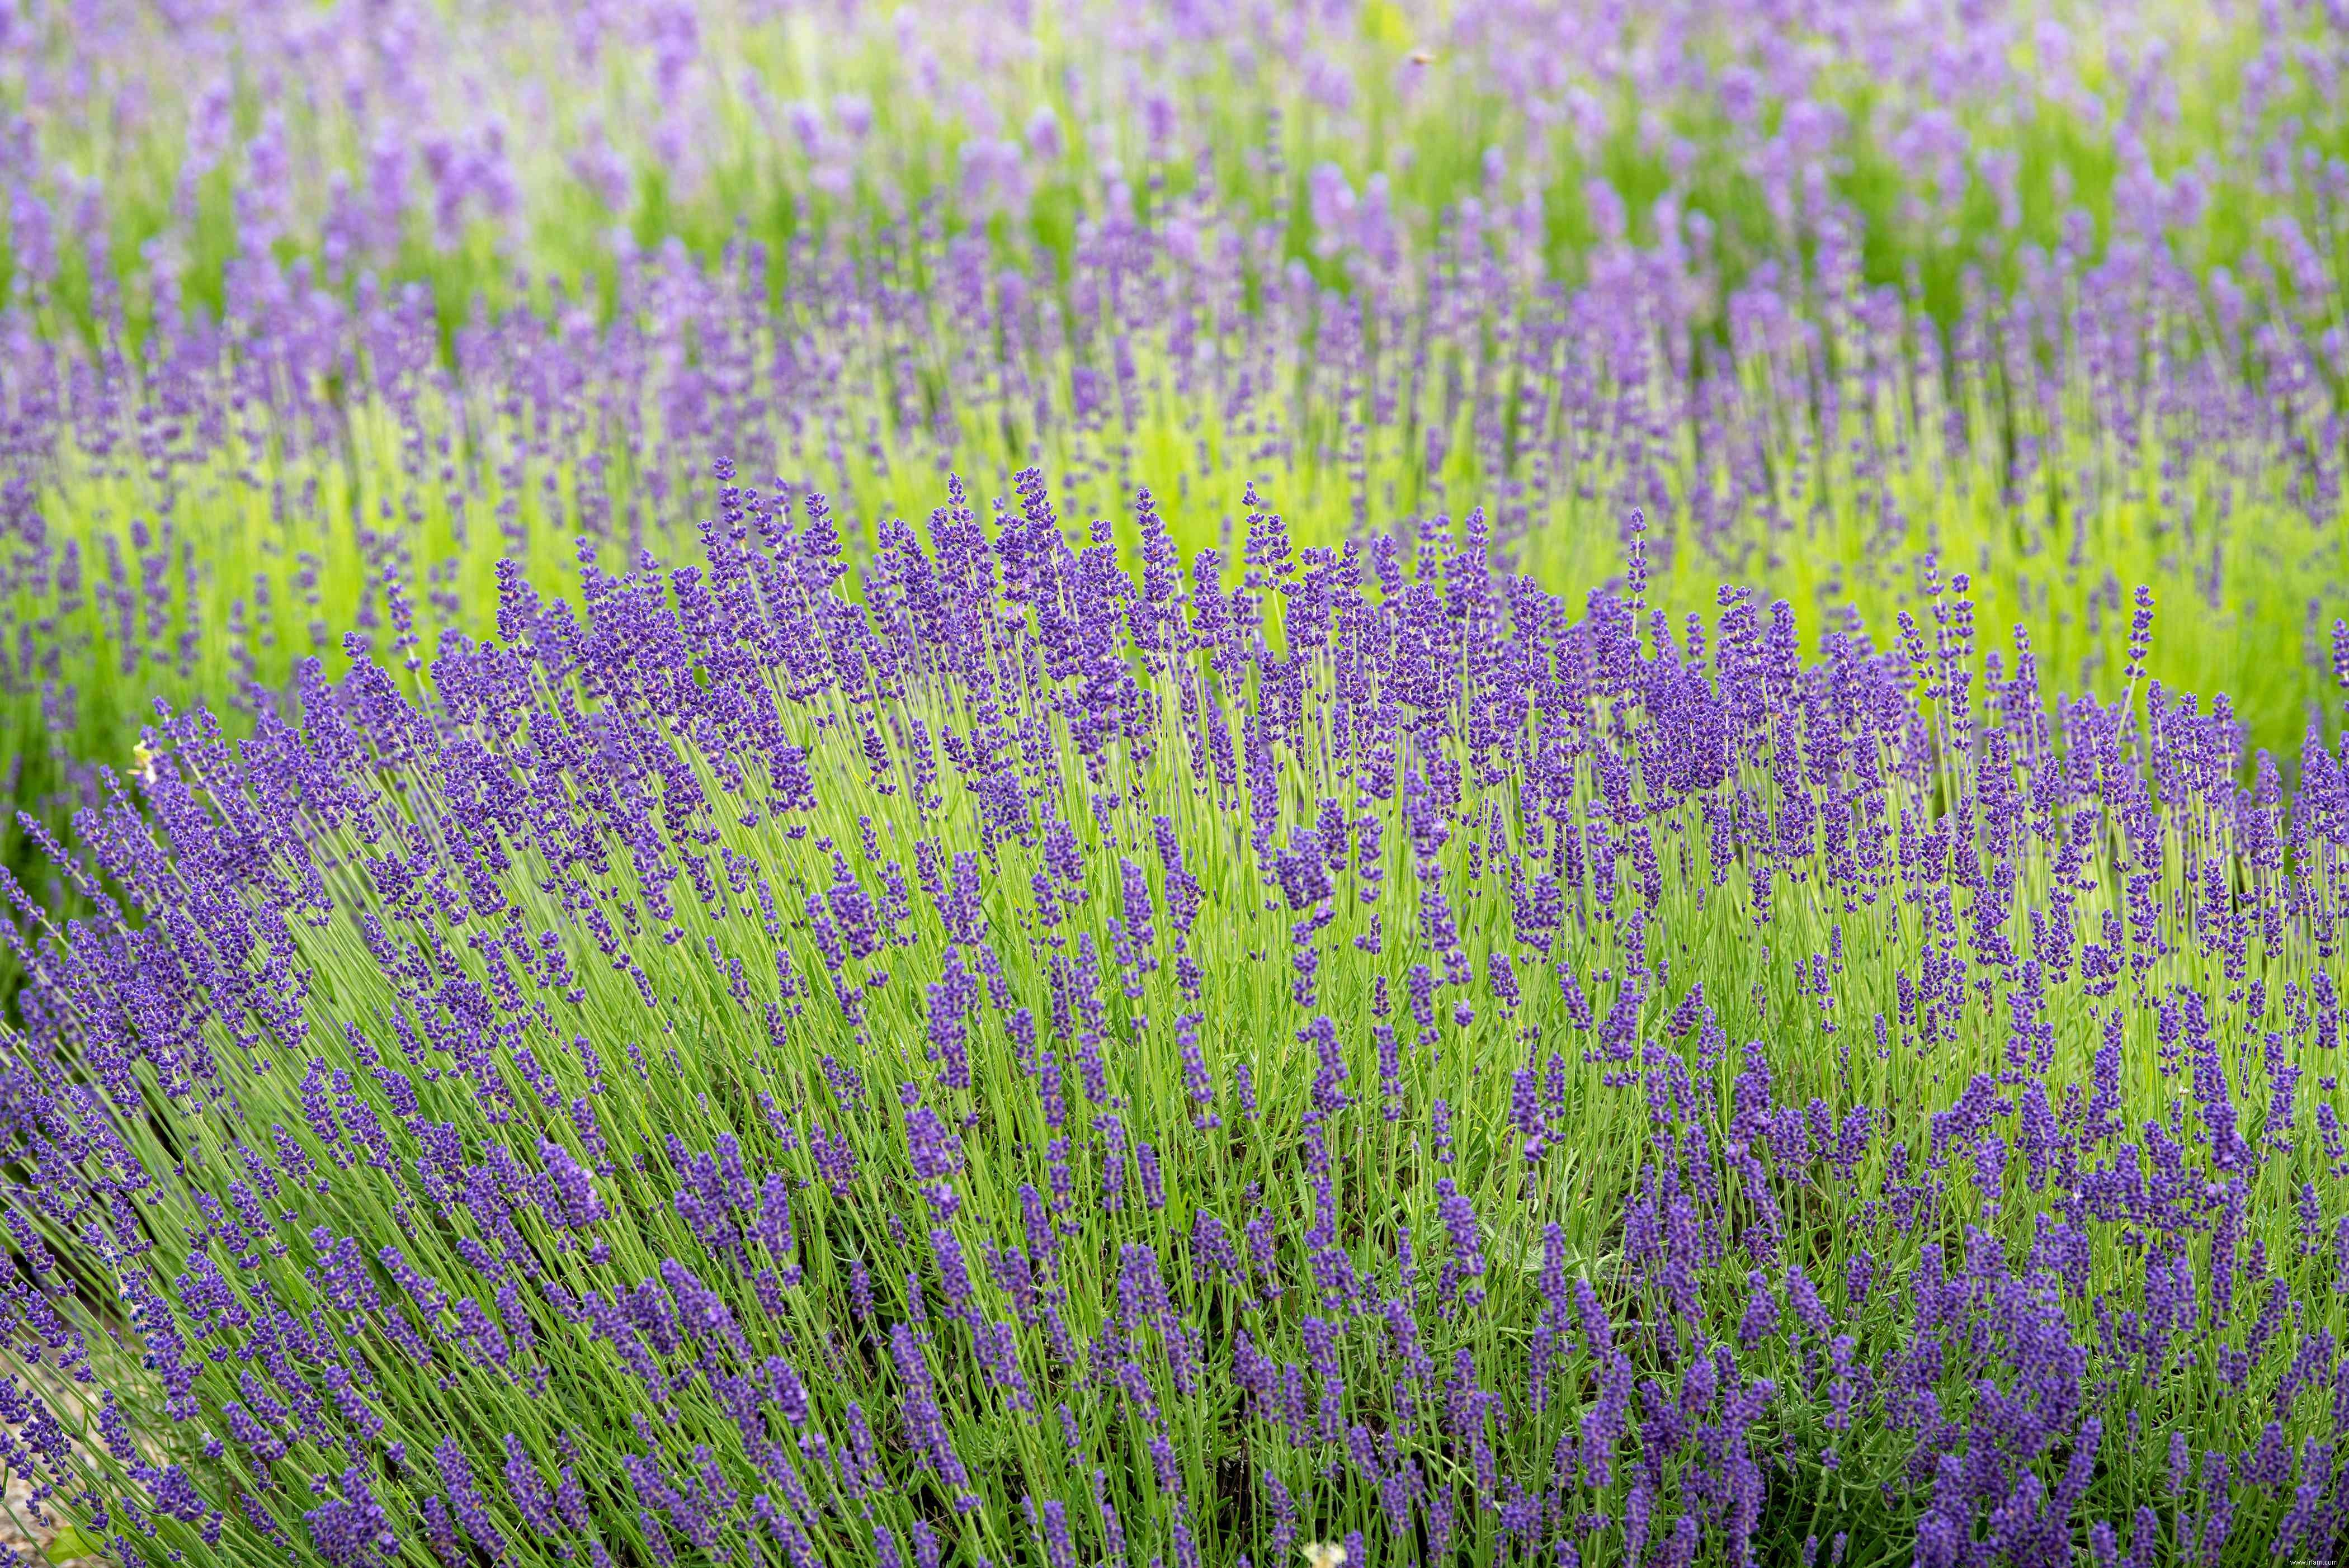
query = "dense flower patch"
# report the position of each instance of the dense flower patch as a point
(314, 314)
(190, 518)
(1040, 1061)
(151, 149)
(1516, 878)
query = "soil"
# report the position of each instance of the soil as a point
(23, 1542)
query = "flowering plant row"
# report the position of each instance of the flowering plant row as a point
(1040, 1061)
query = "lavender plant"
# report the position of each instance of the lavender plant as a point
(590, 1009)
(742, 1070)
(314, 317)
(189, 520)
(152, 154)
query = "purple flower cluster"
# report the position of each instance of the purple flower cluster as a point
(470, 1087)
(1814, 427)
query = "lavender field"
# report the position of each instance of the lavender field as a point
(1180, 784)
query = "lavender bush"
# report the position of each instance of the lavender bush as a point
(190, 518)
(575, 989)
(1042, 1062)
(312, 317)
(152, 153)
